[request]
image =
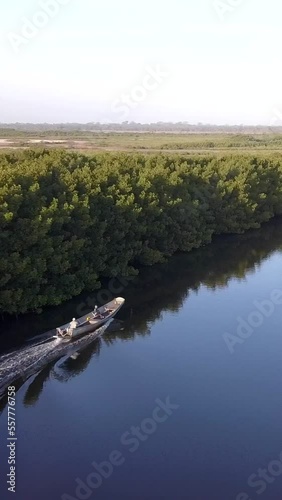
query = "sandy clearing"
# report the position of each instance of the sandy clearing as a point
(50, 141)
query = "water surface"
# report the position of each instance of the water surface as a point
(225, 424)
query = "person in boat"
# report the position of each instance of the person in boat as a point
(97, 314)
(73, 324)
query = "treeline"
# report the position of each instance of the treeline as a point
(139, 141)
(144, 127)
(67, 219)
(236, 141)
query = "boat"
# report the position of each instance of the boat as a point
(90, 322)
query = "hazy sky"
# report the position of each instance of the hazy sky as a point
(153, 60)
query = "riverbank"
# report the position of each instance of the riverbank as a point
(172, 349)
(166, 285)
(68, 221)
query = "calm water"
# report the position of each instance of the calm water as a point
(225, 421)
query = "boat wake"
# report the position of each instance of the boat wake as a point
(19, 364)
(27, 361)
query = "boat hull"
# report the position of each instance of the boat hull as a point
(92, 321)
(90, 328)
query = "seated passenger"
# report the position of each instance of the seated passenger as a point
(73, 324)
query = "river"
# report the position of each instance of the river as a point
(182, 401)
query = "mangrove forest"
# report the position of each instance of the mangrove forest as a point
(68, 220)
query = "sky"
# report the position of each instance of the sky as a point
(200, 61)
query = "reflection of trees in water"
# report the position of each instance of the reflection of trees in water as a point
(35, 388)
(127, 333)
(165, 287)
(40, 370)
(59, 370)
(64, 370)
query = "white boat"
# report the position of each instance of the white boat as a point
(91, 321)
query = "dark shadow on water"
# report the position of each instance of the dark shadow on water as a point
(157, 289)
(65, 370)
(61, 371)
(68, 360)
(166, 287)
(36, 387)
(163, 287)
